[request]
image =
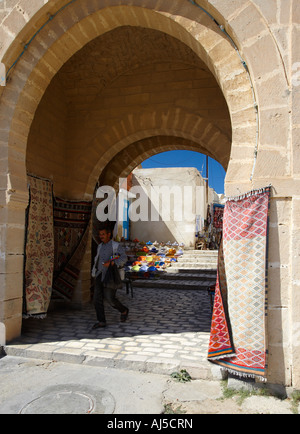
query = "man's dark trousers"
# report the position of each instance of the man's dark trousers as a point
(102, 292)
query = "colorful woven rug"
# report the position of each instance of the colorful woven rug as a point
(220, 344)
(218, 211)
(238, 328)
(39, 249)
(71, 233)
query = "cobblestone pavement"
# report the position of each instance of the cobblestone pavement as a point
(167, 329)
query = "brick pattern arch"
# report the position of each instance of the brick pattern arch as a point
(132, 129)
(104, 88)
(135, 72)
(63, 33)
(79, 23)
(133, 155)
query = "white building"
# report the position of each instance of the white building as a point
(170, 205)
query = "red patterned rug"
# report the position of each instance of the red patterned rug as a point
(39, 249)
(238, 329)
(218, 211)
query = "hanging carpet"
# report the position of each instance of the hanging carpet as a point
(71, 234)
(39, 249)
(238, 328)
(218, 211)
(220, 344)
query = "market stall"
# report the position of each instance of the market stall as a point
(149, 260)
(209, 238)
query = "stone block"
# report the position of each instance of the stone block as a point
(31, 6)
(278, 325)
(273, 92)
(295, 247)
(270, 13)
(247, 24)
(296, 147)
(279, 246)
(280, 211)
(13, 327)
(236, 189)
(279, 282)
(263, 58)
(239, 172)
(274, 129)
(245, 134)
(11, 308)
(15, 21)
(11, 264)
(295, 12)
(11, 286)
(2, 335)
(272, 163)
(12, 239)
(15, 216)
(242, 151)
(225, 10)
(279, 365)
(295, 296)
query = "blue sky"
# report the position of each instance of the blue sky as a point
(216, 173)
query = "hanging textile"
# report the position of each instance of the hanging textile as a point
(71, 234)
(221, 343)
(238, 328)
(39, 249)
(218, 217)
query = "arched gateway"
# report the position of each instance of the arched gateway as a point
(94, 87)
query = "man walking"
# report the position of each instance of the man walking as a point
(109, 253)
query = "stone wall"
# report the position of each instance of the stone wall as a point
(170, 218)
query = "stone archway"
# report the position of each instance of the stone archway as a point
(44, 62)
(262, 136)
(183, 134)
(124, 98)
(132, 156)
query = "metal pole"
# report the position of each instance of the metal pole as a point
(207, 179)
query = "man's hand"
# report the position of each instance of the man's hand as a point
(107, 264)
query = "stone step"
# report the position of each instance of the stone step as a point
(173, 284)
(197, 260)
(175, 270)
(199, 276)
(201, 253)
(213, 253)
(204, 252)
(195, 265)
(195, 255)
(198, 369)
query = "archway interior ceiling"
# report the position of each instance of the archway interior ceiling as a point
(126, 95)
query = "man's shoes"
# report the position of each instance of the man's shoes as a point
(98, 325)
(124, 316)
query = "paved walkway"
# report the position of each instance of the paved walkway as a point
(167, 330)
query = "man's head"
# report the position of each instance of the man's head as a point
(104, 235)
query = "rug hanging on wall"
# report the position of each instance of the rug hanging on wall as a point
(39, 249)
(71, 234)
(238, 329)
(218, 211)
